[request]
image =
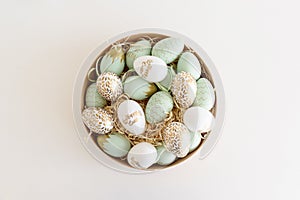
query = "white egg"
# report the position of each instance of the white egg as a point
(142, 155)
(198, 119)
(132, 117)
(151, 68)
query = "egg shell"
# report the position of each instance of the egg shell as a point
(150, 68)
(184, 88)
(114, 144)
(97, 120)
(140, 48)
(109, 86)
(164, 157)
(188, 62)
(158, 107)
(93, 98)
(198, 119)
(113, 60)
(132, 117)
(177, 139)
(137, 88)
(166, 83)
(195, 140)
(168, 49)
(142, 155)
(205, 96)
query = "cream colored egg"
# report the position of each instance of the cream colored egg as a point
(177, 139)
(184, 89)
(198, 119)
(142, 155)
(97, 120)
(151, 68)
(109, 85)
(132, 117)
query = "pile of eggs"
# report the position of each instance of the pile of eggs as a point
(166, 76)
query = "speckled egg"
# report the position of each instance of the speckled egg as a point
(177, 139)
(114, 144)
(165, 84)
(188, 62)
(184, 89)
(93, 98)
(132, 117)
(113, 60)
(168, 49)
(205, 96)
(140, 48)
(158, 107)
(195, 140)
(198, 119)
(97, 120)
(142, 155)
(137, 88)
(109, 86)
(164, 157)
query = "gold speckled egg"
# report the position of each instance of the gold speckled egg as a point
(109, 85)
(97, 120)
(177, 139)
(184, 88)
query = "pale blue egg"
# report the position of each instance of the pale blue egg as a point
(188, 62)
(138, 49)
(167, 82)
(137, 88)
(93, 98)
(113, 60)
(168, 49)
(164, 157)
(205, 96)
(158, 107)
(114, 144)
(195, 140)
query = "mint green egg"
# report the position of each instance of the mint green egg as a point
(165, 84)
(195, 140)
(168, 49)
(93, 98)
(114, 144)
(188, 62)
(113, 60)
(158, 107)
(138, 49)
(205, 96)
(137, 88)
(164, 157)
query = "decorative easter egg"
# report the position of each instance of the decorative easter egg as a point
(166, 83)
(158, 107)
(113, 60)
(195, 140)
(164, 157)
(114, 144)
(142, 155)
(137, 88)
(150, 68)
(177, 139)
(168, 49)
(109, 86)
(188, 62)
(205, 96)
(198, 119)
(131, 116)
(97, 120)
(140, 48)
(184, 89)
(93, 98)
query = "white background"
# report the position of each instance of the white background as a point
(255, 46)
